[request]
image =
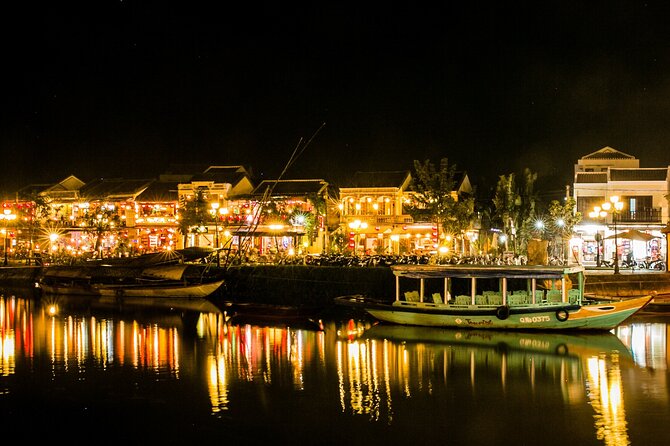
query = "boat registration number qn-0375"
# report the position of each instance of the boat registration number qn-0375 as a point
(534, 319)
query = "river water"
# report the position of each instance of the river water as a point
(83, 374)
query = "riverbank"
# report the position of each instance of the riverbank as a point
(304, 285)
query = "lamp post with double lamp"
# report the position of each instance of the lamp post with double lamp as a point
(7, 216)
(597, 212)
(215, 212)
(613, 206)
(357, 225)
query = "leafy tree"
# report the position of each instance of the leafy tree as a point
(100, 220)
(193, 213)
(515, 208)
(338, 241)
(35, 217)
(435, 199)
(562, 220)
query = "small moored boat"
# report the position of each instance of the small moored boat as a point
(510, 297)
(170, 281)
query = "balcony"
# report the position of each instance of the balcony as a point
(640, 216)
(378, 220)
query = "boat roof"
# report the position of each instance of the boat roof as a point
(485, 271)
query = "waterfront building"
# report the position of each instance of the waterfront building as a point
(283, 217)
(608, 173)
(216, 186)
(374, 218)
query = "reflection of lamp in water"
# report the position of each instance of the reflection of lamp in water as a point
(606, 394)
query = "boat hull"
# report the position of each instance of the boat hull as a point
(199, 290)
(562, 316)
(582, 343)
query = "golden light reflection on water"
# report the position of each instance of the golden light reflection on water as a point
(72, 340)
(606, 396)
(584, 369)
(249, 353)
(371, 373)
(9, 318)
(648, 343)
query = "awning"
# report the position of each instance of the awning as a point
(632, 234)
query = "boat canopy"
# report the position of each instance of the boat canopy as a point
(485, 271)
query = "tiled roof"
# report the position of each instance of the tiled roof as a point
(591, 177)
(607, 153)
(225, 169)
(220, 177)
(660, 174)
(30, 191)
(160, 192)
(378, 179)
(290, 187)
(101, 189)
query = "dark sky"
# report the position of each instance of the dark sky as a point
(126, 88)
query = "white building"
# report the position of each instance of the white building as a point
(610, 174)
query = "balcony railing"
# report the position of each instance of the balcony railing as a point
(640, 216)
(380, 219)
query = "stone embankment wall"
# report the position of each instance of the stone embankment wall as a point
(303, 285)
(20, 277)
(318, 285)
(627, 285)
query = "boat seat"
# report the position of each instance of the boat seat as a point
(480, 300)
(463, 300)
(573, 296)
(437, 298)
(553, 296)
(518, 299)
(494, 299)
(539, 296)
(412, 296)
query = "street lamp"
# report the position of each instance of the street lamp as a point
(215, 212)
(613, 206)
(357, 225)
(7, 216)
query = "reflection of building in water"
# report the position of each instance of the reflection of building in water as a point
(73, 342)
(648, 342)
(13, 318)
(254, 354)
(372, 371)
(381, 370)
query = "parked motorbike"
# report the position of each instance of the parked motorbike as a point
(647, 263)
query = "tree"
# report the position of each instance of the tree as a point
(562, 220)
(36, 215)
(100, 220)
(515, 208)
(193, 213)
(435, 198)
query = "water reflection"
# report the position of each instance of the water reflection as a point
(409, 361)
(266, 355)
(382, 375)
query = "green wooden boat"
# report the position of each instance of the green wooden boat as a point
(509, 297)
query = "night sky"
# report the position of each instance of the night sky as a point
(127, 88)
